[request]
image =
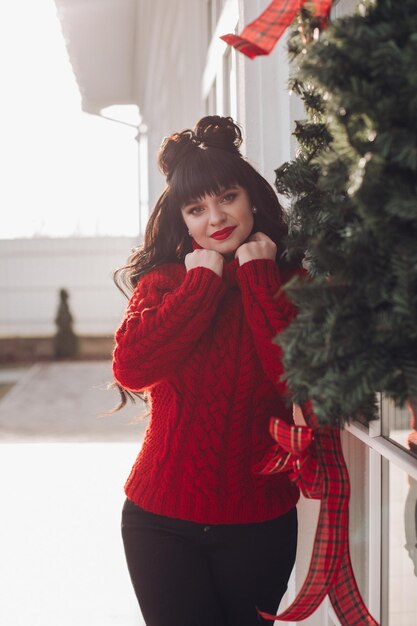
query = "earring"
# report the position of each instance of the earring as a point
(189, 233)
(254, 210)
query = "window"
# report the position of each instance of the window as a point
(220, 79)
(399, 425)
(399, 544)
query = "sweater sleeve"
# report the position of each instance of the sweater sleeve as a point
(268, 312)
(162, 322)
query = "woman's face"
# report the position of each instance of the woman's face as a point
(221, 222)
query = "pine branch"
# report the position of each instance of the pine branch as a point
(353, 190)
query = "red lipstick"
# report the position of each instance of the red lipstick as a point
(223, 234)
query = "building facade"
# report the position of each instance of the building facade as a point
(383, 470)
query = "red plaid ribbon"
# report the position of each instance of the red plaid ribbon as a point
(260, 36)
(314, 458)
(296, 454)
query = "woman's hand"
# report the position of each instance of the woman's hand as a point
(258, 246)
(210, 259)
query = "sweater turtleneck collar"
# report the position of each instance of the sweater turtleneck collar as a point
(229, 272)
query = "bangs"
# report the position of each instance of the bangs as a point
(205, 172)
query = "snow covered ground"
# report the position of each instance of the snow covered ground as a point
(62, 558)
(62, 471)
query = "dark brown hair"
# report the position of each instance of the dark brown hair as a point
(197, 162)
(205, 160)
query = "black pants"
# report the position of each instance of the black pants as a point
(188, 574)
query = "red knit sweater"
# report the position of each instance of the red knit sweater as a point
(201, 345)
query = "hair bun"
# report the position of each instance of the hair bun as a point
(219, 132)
(211, 131)
(172, 149)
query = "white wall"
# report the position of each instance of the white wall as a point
(171, 46)
(33, 270)
(264, 101)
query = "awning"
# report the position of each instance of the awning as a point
(101, 39)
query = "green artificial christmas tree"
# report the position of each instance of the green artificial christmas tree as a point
(65, 340)
(353, 187)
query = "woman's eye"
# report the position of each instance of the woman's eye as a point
(229, 197)
(195, 210)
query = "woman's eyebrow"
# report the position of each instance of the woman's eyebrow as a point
(224, 189)
(191, 202)
(221, 191)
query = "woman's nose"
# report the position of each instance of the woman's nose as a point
(216, 215)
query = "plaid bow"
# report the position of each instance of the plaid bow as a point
(261, 35)
(314, 458)
(295, 453)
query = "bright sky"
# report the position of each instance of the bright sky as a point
(63, 172)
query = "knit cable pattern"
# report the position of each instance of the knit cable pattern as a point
(201, 345)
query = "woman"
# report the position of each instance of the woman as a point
(208, 539)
